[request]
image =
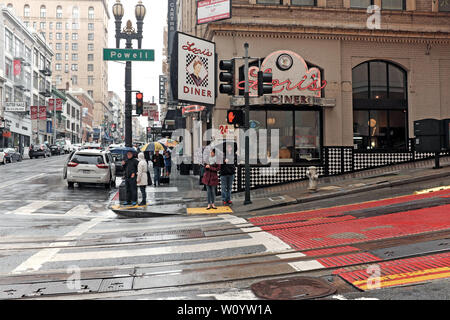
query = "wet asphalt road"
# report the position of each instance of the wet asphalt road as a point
(47, 228)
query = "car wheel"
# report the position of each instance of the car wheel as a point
(70, 184)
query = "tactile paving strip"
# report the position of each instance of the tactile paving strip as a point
(344, 260)
(335, 211)
(327, 251)
(366, 229)
(400, 272)
(313, 221)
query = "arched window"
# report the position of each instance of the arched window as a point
(9, 6)
(43, 11)
(91, 13)
(379, 106)
(59, 12)
(75, 13)
(26, 10)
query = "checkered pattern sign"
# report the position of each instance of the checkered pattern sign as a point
(196, 66)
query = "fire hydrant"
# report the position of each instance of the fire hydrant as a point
(313, 176)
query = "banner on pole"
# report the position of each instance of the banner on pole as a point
(42, 112)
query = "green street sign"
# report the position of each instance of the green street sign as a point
(128, 55)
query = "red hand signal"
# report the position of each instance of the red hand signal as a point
(231, 117)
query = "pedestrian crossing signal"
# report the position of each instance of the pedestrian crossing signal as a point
(235, 117)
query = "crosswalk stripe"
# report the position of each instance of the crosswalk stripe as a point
(115, 254)
(80, 210)
(30, 208)
(35, 262)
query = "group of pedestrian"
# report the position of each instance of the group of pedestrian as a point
(210, 177)
(137, 174)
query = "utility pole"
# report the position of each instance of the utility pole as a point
(247, 127)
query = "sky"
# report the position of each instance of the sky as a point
(145, 75)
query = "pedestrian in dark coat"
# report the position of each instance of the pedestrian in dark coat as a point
(130, 168)
(158, 164)
(211, 179)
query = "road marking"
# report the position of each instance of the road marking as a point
(161, 189)
(5, 185)
(223, 209)
(143, 228)
(306, 265)
(114, 254)
(80, 210)
(405, 278)
(35, 262)
(30, 208)
(432, 190)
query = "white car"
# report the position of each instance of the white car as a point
(76, 147)
(90, 166)
(2, 157)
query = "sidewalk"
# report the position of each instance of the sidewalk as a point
(185, 196)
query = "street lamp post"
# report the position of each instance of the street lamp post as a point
(128, 34)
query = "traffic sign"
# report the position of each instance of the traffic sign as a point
(128, 55)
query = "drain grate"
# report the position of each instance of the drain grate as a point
(297, 288)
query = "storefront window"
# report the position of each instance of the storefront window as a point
(283, 121)
(444, 5)
(379, 106)
(299, 134)
(393, 4)
(360, 3)
(269, 1)
(379, 129)
(396, 83)
(303, 2)
(360, 82)
(378, 80)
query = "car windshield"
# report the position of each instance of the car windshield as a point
(87, 159)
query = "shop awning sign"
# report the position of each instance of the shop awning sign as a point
(15, 106)
(213, 10)
(291, 76)
(193, 70)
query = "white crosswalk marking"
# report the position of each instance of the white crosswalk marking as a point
(37, 260)
(80, 210)
(30, 208)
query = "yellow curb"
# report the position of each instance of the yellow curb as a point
(432, 190)
(223, 209)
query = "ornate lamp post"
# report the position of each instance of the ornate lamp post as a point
(129, 34)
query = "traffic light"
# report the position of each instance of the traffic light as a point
(227, 77)
(139, 103)
(264, 83)
(235, 117)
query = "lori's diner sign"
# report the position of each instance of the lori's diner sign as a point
(193, 70)
(293, 81)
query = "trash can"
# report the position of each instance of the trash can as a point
(122, 192)
(184, 169)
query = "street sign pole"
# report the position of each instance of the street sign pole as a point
(247, 127)
(128, 103)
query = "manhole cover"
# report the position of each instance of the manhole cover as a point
(297, 288)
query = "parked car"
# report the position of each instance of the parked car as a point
(11, 155)
(76, 146)
(40, 150)
(92, 145)
(2, 157)
(56, 149)
(90, 166)
(120, 154)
